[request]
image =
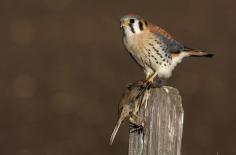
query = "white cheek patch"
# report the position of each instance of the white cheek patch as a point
(132, 29)
(136, 27)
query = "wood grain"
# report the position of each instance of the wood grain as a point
(163, 128)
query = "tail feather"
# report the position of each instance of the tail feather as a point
(113, 135)
(197, 53)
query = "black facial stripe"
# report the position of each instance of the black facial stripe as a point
(140, 25)
(132, 28)
(146, 23)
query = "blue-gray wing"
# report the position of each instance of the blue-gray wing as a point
(171, 45)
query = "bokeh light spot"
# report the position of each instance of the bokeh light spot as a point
(22, 32)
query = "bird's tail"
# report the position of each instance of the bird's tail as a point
(197, 53)
(113, 135)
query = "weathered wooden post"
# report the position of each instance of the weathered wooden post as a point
(163, 127)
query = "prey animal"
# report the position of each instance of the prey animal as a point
(154, 49)
(129, 107)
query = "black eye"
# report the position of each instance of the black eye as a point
(131, 21)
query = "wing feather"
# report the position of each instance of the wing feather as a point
(168, 41)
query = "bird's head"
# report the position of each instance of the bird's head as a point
(133, 24)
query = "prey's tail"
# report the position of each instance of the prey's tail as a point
(113, 135)
(197, 53)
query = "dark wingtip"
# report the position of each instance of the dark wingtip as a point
(209, 55)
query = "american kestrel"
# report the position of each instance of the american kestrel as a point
(155, 50)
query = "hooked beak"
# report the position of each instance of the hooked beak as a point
(123, 24)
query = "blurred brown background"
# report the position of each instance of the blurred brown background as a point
(63, 69)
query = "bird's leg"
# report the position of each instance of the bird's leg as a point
(151, 79)
(135, 128)
(136, 123)
(144, 99)
(149, 82)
